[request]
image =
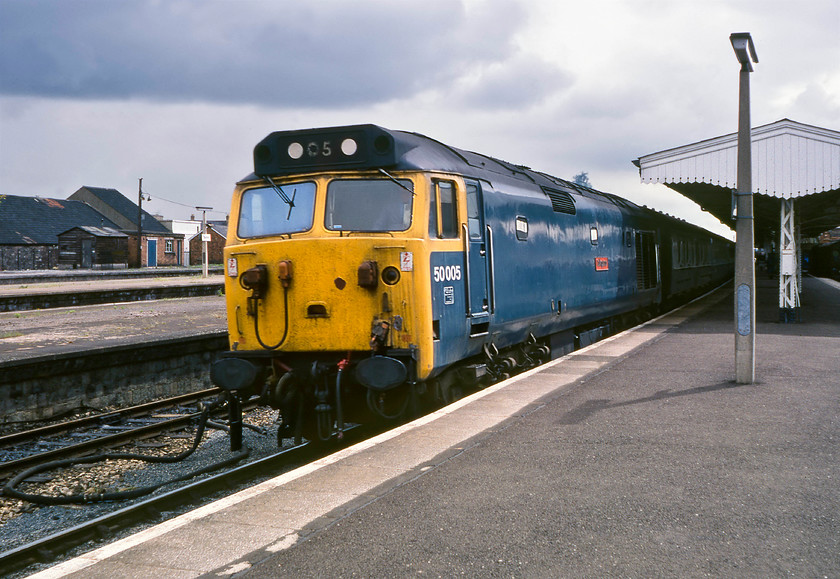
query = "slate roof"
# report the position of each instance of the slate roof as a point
(39, 220)
(220, 227)
(127, 208)
(98, 231)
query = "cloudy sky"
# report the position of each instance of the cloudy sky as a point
(178, 92)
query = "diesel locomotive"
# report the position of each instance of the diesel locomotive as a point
(369, 270)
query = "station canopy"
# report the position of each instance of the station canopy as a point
(790, 160)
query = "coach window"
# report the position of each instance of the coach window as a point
(443, 212)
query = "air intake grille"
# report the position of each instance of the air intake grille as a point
(561, 201)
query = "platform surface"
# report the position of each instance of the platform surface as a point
(55, 285)
(636, 457)
(30, 334)
(33, 334)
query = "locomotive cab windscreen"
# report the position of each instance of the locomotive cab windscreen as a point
(373, 205)
(263, 212)
(364, 205)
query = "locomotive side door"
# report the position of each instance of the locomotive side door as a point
(475, 259)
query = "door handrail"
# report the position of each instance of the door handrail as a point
(467, 286)
(491, 258)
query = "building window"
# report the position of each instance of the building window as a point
(169, 248)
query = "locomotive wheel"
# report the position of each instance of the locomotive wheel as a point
(450, 391)
(286, 395)
(391, 404)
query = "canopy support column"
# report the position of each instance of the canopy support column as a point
(789, 264)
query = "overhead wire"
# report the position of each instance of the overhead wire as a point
(156, 197)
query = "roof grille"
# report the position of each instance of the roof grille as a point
(561, 201)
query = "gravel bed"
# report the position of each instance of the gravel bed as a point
(22, 522)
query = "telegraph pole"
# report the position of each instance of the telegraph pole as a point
(205, 237)
(744, 226)
(140, 223)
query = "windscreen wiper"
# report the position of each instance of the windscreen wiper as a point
(394, 179)
(283, 196)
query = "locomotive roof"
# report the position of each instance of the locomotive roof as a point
(372, 147)
(284, 153)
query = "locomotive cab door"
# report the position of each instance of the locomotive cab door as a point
(476, 261)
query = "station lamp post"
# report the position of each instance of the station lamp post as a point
(744, 48)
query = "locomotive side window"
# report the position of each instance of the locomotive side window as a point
(368, 205)
(521, 228)
(263, 212)
(473, 211)
(443, 211)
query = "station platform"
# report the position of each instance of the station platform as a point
(43, 334)
(37, 276)
(67, 289)
(638, 456)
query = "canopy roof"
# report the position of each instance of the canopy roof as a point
(789, 160)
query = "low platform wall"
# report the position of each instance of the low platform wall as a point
(50, 386)
(38, 301)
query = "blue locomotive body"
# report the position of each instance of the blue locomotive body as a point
(550, 259)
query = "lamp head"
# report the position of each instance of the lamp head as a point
(744, 48)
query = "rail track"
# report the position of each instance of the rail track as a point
(52, 548)
(80, 437)
(139, 507)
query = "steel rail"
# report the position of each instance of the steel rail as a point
(102, 418)
(109, 440)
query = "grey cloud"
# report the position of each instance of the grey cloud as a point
(519, 81)
(305, 54)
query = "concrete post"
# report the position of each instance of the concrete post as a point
(744, 226)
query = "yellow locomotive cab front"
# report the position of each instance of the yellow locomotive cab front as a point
(327, 265)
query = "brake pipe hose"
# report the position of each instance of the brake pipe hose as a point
(285, 323)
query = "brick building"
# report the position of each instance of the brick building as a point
(30, 229)
(159, 246)
(215, 247)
